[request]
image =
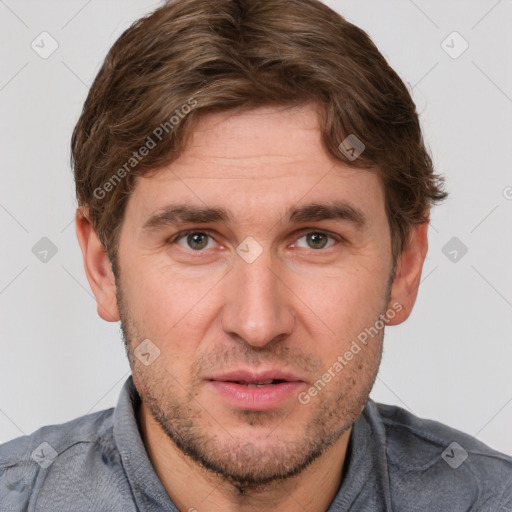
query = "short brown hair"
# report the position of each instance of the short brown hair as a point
(195, 56)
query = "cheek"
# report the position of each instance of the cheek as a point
(345, 300)
(347, 377)
(348, 306)
(164, 299)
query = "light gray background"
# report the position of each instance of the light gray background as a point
(452, 359)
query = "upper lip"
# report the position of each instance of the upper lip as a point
(247, 375)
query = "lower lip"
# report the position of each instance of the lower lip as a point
(262, 398)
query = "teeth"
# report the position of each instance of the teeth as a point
(256, 384)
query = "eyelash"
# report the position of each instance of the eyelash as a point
(182, 234)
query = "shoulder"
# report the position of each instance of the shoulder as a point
(426, 456)
(60, 463)
(59, 438)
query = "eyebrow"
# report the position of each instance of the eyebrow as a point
(173, 215)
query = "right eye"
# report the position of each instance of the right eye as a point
(194, 240)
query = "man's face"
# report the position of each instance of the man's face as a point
(284, 304)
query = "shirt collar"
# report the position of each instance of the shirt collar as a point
(148, 492)
(365, 460)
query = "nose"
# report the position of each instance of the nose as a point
(258, 304)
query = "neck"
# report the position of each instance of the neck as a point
(192, 487)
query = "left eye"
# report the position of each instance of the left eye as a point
(315, 240)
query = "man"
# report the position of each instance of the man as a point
(254, 197)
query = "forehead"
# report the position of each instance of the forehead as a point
(280, 131)
(254, 162)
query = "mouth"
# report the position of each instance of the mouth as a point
(262, 391)
(248, 376)
(268, 382)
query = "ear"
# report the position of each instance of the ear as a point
(408, 273)
(98, 268)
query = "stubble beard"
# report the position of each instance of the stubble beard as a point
(248, 466)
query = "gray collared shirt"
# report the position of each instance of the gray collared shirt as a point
(396, 461)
